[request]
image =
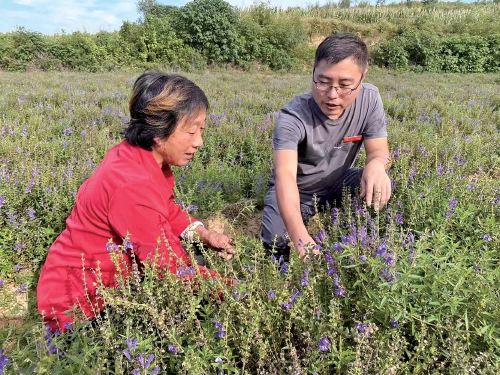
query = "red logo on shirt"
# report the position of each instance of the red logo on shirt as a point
(353, 139)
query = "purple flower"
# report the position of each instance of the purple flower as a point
(127, 245)
(332, 270)
(305, 279)
(335, 216)
(271, 294)
(143, 362)
(220, 334)
(126, 353)
(339, 292)
(363, 258)
(191, 208)
(238, 296)
(219, 360)
(18, 267)
(18, 247)
(399, 218)
(2, 282)
(295, 295)
(363, 232)
(336, 281)
(321, 236)
(52, 349)
(389, 259)
(155, 371)
(2, 200)
(487, 238)
(394, 323)
(150, 359)
(135, 372)
(338, 247)
(251, 268)
(453, 203)
(31, 213)
(328, 257)
(22, 288)
(172, 349)
(132, 344)
(363, 329)
(284, 267)
(324, 344)
(3, 360)
(286, 306)
(388, 276)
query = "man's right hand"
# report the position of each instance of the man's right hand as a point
(305, 246)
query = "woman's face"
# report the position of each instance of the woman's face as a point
(179, 148)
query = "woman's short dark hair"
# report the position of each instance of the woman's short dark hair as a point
(341, 46)
(159, 101)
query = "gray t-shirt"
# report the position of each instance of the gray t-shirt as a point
(322, 155)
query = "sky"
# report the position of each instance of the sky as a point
(52, 16)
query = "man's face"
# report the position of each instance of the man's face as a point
(344, 76)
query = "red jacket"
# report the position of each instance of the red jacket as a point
(128, 193)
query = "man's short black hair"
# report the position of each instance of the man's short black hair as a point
(341, 46)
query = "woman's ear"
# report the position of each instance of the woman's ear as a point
(157, 141)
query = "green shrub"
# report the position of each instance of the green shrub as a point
(493, 62)
(211, 27)
(78, 51)
(391, 54)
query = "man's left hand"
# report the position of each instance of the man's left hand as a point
(375, 184)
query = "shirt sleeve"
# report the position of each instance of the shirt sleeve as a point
(135, 209)
(288, 132)
(376, 120)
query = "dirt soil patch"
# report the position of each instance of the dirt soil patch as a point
(13, 306)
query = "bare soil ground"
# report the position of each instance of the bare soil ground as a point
(13, 306)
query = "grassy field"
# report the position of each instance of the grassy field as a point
(411, 290)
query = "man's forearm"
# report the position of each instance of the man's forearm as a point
(288, 198)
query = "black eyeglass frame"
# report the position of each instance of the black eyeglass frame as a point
(336, 87)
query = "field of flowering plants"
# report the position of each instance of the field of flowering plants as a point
(413, 289)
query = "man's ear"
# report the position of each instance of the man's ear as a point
(364, 74)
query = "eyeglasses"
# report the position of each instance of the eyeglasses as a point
(341, 91)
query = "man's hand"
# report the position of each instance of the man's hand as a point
(375, 184)
(303, 243)
(217, 241)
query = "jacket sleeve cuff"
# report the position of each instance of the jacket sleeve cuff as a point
(188, 233)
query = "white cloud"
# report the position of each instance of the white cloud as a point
(52, 16)
(25, 2)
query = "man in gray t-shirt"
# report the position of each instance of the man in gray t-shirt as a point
(316, 140)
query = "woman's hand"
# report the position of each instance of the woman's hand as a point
(216, 241)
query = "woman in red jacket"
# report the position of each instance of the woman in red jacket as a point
(131, 195)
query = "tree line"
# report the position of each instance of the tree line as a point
(425, 36)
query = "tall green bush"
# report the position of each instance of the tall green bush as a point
(210, 26)
(430, 52)
(20, 48)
